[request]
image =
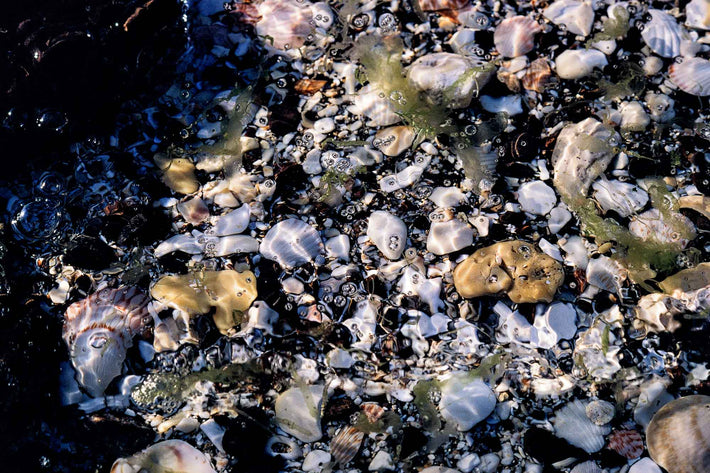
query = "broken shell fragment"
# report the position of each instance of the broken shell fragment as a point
(292, 242)
(678, 436)
(515, 36)
(230, 292)
(666, 228)
(394, 140)
(465, 400)
(177, 173)
(448, 237)
(175, 456)
(627, 443)
(99, 330)
(514, 267)
(538, 75)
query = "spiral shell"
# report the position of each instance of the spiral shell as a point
(346, 444)
(627, 443)
(99, 329)
(692, 76)
(515, 36)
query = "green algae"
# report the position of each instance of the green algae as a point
(615, 26)
(424, 393)
(389, 421)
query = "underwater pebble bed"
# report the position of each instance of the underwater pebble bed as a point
(420, 235)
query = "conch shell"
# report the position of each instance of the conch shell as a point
(99, 329)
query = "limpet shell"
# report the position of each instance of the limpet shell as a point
(678, 436)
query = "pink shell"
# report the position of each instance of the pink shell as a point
(346, 444)
(627, 443)
(372, 411)
(437, 5)
(121, 310)
(692, 76)
(516, 36)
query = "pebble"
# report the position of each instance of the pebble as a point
(316, 460)
(536, 197)
(297, 412)
(388, 233)
(382, 461)
(465, 401)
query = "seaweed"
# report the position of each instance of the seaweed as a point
(615, 26)
(424, 392)
(389, 421)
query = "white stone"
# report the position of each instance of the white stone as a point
(324, 125)
(402, 179)
(297, 412)
(381, 462)
(652, 65)
(697, 14)
(413, 283)
(465, 401)
(489, 463)
(558, 322)
(633, 116)
(388, 233)
(623, 198)
(558, 218)
(577, 16)
(447, 197)
(311, 165)
(448, 237)
(316, 460)
(536, 197)
(468, 462)
(214, 432)
(339, 359)
(338, 247)
(379, 110)
(508, 104)
(576, 251)
(578, 63)
(394, 140)
(233, 222)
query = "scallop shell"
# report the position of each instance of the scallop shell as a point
(99, 329)
(600, 412)
(697, 14)
(346, 444)
(692, 76)
(678, 436)
(627, 443)
(515, 36)
(663, 34)
(578, 17)
(175, 456)
(587, 467)
(292, 242)
(572, 424)
(538, 75)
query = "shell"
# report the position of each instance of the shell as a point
(380, 110)
(394, 140)
(606, 274)
(645, 465)
(572, 424)
(99, 329)
(464, 42)
(627, 443)
(577, 16)
(372, 411)
(587, 467)
(538, 75)
(515, 36)
(346, 444)
(600, 412)
(663, 34)
(558, 322)
(653, 225)
(579, 63)
(697, 14)
(437, 5)
(582, 152)
(194, 210)
(536, 197)
(233, 222)
(678, 436)
(292, 242)
(175, 456)
(692, 76)
(465, 401)
(286, 21)
(177, 173)
(297, 411)
(388, 233)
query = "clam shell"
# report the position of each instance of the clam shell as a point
(515, 36)
(577, 16)
(587, 467)
(99, 329)
(678, 436)
(175, 456)
(606, 274)
(292, 242)
(692, 76)
(627, 443)
(572, 424)
(346, 444)
(663, 34)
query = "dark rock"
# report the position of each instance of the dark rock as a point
(89, 253)
(547, 448)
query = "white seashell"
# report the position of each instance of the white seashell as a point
(552, 387)
(448, 237)
(404, 178)
(230, 245)
(536, 197)
(297, 412)
(465, 400)
(600, 412)
(388, 233)
(558, 322)
(606, 46)
(316, 460)
(606, 274)
(515, 36)
(645, 465)
(651, 225)
(652, 65)
(379, 110)
(176, 456)
(577, 16)
(482, 223)
(576, 252)
(286, 21)
(622, 197)
(394, 140)
(692, 76)
(633, 116)
(464, 42)
(98, 330)
(590, 348)
(663, 34)
(579, 63)
(447, 197)
(447, 76)
(582, 152)
(587, 467)
(572, 424)
(697, 14)
(509, 104)
(194, 210)
(233, 222)
(558, 218)
(291, 243)
(381, 462)
(346, 444)
(678, 436)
